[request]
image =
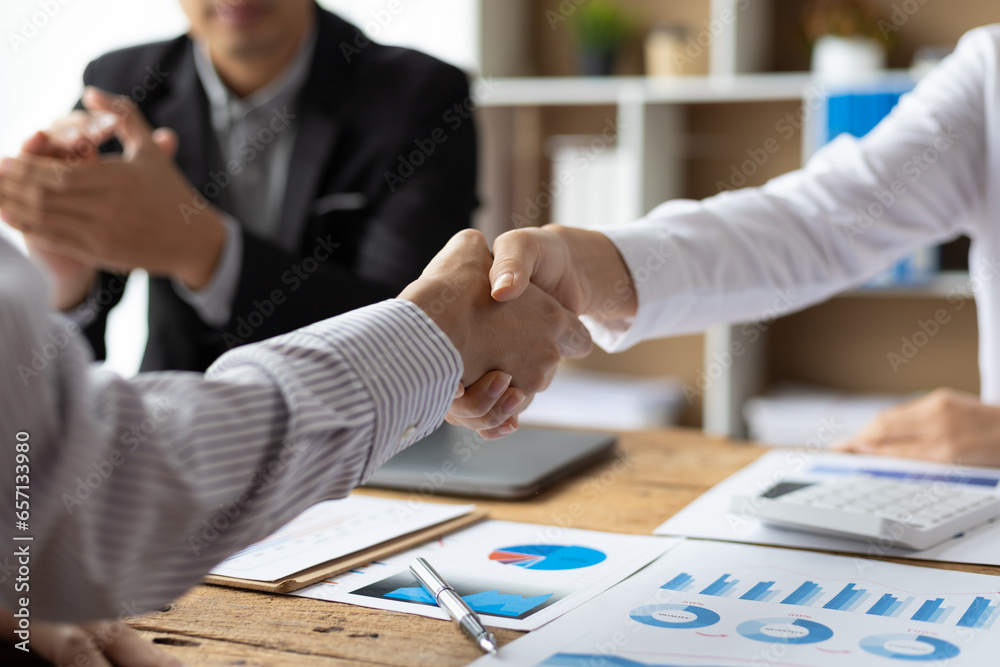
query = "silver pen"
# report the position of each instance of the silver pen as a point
(445, 596)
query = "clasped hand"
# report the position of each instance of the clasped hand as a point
(81, 211)
(509, 350)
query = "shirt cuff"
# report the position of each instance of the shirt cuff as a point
(214, 302)
(657, 273)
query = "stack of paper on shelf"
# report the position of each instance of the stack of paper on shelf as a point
(578, 398)
(794, 414)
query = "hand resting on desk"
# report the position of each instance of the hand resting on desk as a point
(946, 425)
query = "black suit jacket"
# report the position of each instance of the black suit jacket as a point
(387, 127)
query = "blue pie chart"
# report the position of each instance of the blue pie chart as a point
(784, 631)
(915, 648)
(548, 556)
(682, 616)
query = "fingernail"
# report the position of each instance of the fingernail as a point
(506, 280)
(507, 428)
(499, 385)
(512, 402)
(6, 164)
(460, 392)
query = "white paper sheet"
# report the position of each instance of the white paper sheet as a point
(716, 604)
(709, 517)
(516, 575)
(333, 529)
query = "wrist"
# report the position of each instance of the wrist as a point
(69, 295)
(200, 257)
(439, 301)
(604, 276)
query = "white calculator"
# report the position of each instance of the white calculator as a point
(911, 514)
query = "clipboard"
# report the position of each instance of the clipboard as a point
(352, 561)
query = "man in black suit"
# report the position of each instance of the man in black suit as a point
(314, 172)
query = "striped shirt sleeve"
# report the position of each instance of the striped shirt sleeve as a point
(138, 487)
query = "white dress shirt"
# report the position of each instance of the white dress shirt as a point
(928, 172)
(136, 488)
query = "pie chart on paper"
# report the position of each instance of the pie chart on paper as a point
(548, 556)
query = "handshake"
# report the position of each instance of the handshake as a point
(514, 313)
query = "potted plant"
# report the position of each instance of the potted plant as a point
(846, 42)
(601, 29)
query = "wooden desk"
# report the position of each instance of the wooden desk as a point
(657, 474)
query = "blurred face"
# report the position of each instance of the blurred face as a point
(248, 29)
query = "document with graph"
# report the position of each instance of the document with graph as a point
(516, 575)
(716, 604)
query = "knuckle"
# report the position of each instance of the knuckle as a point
(75, 642)
(35, 196)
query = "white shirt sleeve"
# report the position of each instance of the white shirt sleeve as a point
(136, 488)
(214, 302)
(857, 207)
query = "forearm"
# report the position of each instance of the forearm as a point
(170, 473)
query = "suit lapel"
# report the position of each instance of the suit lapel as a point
(185, 110)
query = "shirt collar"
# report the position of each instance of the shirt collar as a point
(226, 107)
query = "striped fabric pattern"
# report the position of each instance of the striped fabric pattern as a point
(139, 486)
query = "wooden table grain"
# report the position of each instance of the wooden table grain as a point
(654, 475)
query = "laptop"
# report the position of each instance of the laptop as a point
(455, 460)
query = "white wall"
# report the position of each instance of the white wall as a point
(446, 29)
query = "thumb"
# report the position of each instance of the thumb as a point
(167, 141)
(132, 130)
(37, 144)
(514, 256)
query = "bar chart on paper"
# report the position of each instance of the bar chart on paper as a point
(963, 611)
(727, 605)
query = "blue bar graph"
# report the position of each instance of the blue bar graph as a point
(720, 586)
(982, 613)
(759, 592)
(977, 614)
(681, 582)
(804, 594)
(884, 606)
(845, 598)
(927, 610)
